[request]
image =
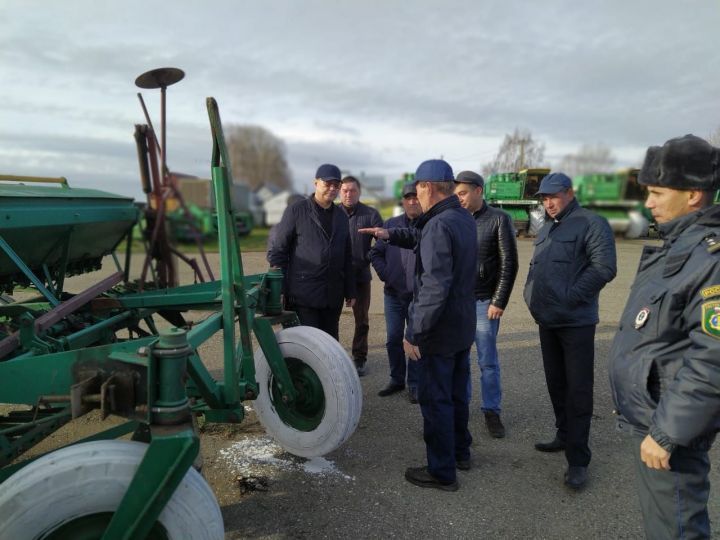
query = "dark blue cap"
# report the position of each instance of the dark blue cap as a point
(434, 170)
(328, 172)
(554, 183)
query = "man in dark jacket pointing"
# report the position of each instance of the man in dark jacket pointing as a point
(665, 359)
(574, 258)
(441, 324)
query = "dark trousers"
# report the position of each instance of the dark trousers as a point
(674, 502)
(362, 321)
(568, 359)
(396, 316)
(442, 394)
(326, 319)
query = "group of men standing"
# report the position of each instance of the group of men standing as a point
(449, 264)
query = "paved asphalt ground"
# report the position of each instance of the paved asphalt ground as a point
(513, 491)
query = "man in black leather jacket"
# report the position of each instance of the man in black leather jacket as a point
(497, 266)
(665, 358)
(574, 258)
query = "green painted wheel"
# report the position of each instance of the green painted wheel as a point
(306, 412)
(73, 492)
(329, 403)
(92, 527)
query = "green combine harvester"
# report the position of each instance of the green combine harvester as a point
(515, 194)
(618, 197)
(128, 347)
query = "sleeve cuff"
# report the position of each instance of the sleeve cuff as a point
(662, 439)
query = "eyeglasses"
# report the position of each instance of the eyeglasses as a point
(331, 184)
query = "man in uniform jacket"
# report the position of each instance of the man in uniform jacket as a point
(312, 247)
(360, 216)
(396, 267)
(574, 258)
(665, 358)
(441, 324)
(497, 266)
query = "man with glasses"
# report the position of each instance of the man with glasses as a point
(312, 248)
(574, 258)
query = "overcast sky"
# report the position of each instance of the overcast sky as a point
(373, 86)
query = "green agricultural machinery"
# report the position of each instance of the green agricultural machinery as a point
(618, 197)
(129, 348)
(515, 194)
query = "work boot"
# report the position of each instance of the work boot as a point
(360, 365)
(421, 477)
(463, 464)
(575, 477)
(494, 425)
(391, 388)
(556, 445)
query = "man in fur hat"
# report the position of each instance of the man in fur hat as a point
(665, 358)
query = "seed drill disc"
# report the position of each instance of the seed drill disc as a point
(159, 78)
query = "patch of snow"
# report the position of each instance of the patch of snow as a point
(262, 456)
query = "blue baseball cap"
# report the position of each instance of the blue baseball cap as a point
(434, 170)
(328, 173)
(554, 183)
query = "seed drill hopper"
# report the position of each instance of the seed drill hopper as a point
(129, 349)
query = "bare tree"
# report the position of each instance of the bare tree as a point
(714, 137)
(590, 158)
(518, 151)
(257, 157)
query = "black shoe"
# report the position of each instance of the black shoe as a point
(463, 464)
(391, 389)
(556, 445)
(494, 425)
(421, 477)
(575, 477)
(360, 366)
(412, 395)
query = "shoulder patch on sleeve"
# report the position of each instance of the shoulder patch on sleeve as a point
(709, 292)
(711, 244)
(711, 318)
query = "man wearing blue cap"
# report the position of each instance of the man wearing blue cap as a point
(312, 247)
(574, 258)
(665, 358)
(441, 326)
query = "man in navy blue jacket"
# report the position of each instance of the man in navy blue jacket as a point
(441, 325)
(396, 267)
(574, 258)
(312, 247)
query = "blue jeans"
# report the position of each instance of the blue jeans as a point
(396, 313)
(486, 333)
(442, 393)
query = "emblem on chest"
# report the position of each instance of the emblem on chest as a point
(642, 317)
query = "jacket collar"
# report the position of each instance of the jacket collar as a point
(450, 202)
(569, 209)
